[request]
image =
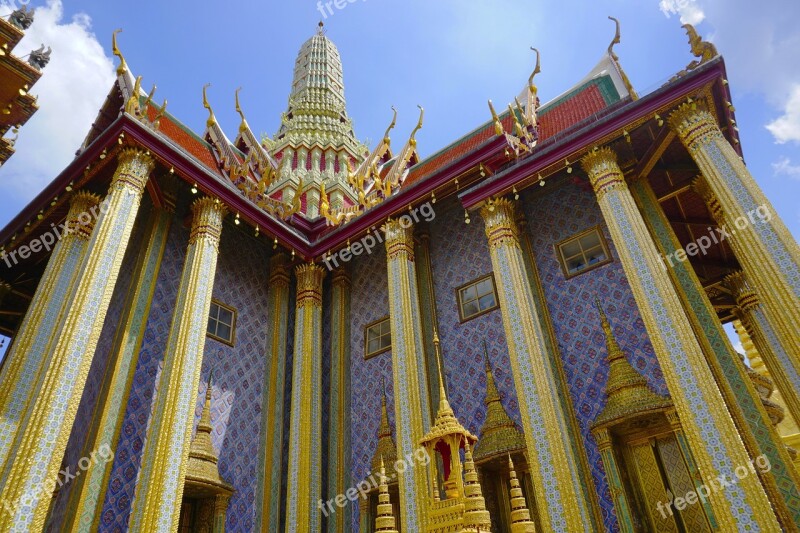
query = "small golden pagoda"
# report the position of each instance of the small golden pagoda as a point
(385, 451)
(205, 493)
(520, 516)
(384, 521)
(461, 508)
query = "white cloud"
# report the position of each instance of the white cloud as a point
(71, 91)
(688, 10)
(787, 127)
(784, 167)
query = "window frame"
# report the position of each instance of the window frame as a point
(367, 353)
(477, 281)
(232, 340)
(577, 237)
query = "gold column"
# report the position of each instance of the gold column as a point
(709, 428)
(561, 503)
(304, 486)
(271, 458)
(220, 512)
(159, 488)
(763, 246)
(48, 422)
(428, 313)
(752, 315)
(408, 370)
(86, 498)
(339, 413)
(27, 356)
(615, 485)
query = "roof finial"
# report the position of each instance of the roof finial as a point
(243, 126)
(123, 66)
(615, 59)
(413, 139)
(321, 28)
(211, 118)
(536, 70)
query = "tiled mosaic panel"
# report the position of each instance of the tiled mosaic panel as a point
(460, 254)
(326, 390)
(122, 482)
(94, 380)
(370, 302)
(553, 218)
(287, 396)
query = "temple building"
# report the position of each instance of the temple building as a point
(521, 332)
(17, 76)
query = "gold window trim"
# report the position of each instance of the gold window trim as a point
(232, 340)
(563, 260)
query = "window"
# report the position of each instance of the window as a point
(221, 322)
(583, 252)
(377, 337)
(476, 298)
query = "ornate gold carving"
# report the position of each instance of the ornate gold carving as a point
(384, 521)
(520, 516)
(476, 517)
(81, 217)
(399, 240)
(701, 187)
(279, 271)
(746, 297)
(133, 169)
(701, 49)
(309, 284)
(208, 214)
(498, 215)
(694, 125)
(603, 170)
(386, 449)
(615, 58)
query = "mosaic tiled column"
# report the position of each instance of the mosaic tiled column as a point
(27, 356)
(560, 499)
(615, 485)
(304, 485)
(220, 513)
(710, 431)
(751, 313)
(427, 304)
(742, 399)
(86, 497)
(411, 396)
(44, 432)
(271, 449)
(159, 488)
(339, 479)
(768, 253)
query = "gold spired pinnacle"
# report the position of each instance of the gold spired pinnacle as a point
(476, 517)
(384, 521)
(520, 516)
(203, 458)
(386, 448)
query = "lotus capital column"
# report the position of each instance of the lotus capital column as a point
(709, 428)
(560, 500)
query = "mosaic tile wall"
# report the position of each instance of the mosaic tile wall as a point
(94, 380)
(241, 282)
(370, 302)
(551, 219)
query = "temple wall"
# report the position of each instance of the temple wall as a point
(241, 282)
(551, 219)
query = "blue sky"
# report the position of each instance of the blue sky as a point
(448, 56)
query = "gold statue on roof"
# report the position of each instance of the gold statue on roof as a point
(211, 118)
(702, 49)
(123, 66)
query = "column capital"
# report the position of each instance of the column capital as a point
(279, 270)
(694, 125)
(499, 217)
(603, 438)
(341, 278)
(81, 217)
(399, 238)
(701, 187)
(133, 169)
(746, 297)
(673, 419)
(603, 170)
(221, 504)
(309, 284)
(208, 214)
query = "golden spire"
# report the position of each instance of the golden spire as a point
(386, 448)
(211, 118)
(627, 390)
(520, 516)
(384, 521)
(202, 468)
(123, 66)
(615, 58)
(498, 126)
(476, 517)
(499, 434)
